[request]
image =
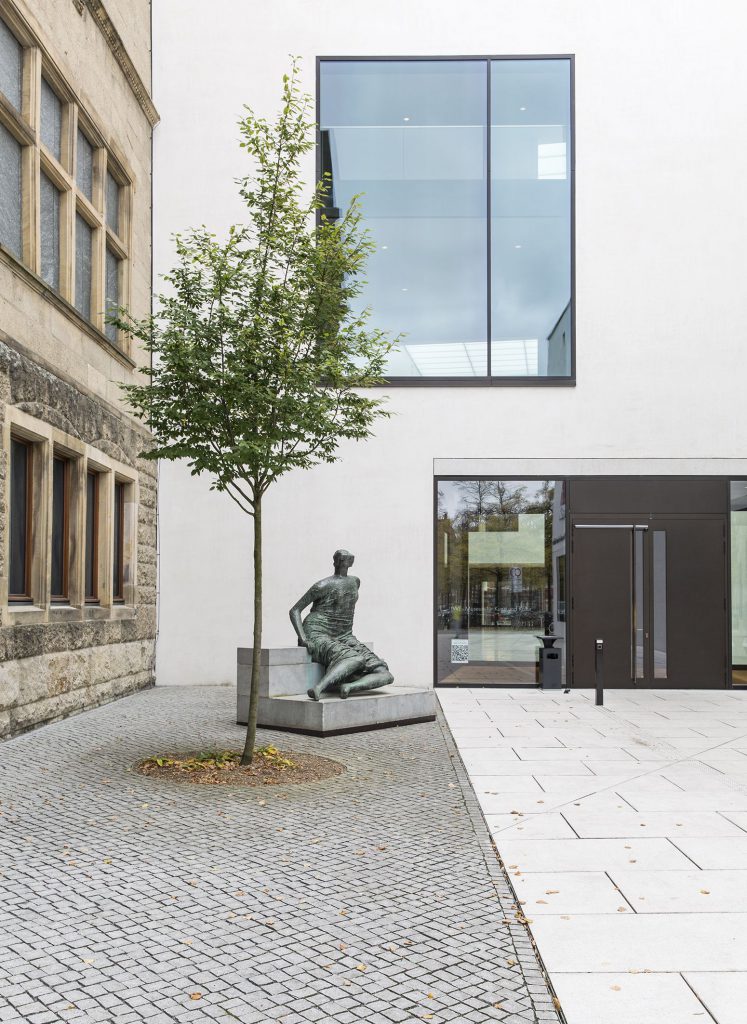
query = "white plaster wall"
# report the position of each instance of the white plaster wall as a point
(661, 159)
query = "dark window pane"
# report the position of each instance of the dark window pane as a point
(118, 566)
(10, 193)
(92, 539)
(11, 64)
(112, 202)
(20, 476)
(83, 268)
(51, 119)
(411, 136)
(84, 166)
(59, 528)
(50, 233)
(112, 291)
(530, 217)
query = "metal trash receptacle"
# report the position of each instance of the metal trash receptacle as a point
(550, 664)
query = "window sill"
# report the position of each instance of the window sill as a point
(123, 611)
(25, 614)
(63, 612)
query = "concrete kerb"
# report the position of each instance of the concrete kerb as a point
(508, 899)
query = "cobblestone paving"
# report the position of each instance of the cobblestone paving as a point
(374, 896)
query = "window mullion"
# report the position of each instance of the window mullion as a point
(67, 210)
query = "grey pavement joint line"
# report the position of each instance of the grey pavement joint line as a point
(492, 857)
(656, 767)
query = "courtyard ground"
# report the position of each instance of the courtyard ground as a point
(624, 831)
(375, 896)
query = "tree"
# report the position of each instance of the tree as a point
(257, 353)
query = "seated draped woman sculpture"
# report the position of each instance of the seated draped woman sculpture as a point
(327, 634)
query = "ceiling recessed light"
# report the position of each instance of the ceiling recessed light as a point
(405, 118)
(404, 289)
(517, 247)
(385, 247)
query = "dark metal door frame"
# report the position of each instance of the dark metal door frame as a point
(642, 593)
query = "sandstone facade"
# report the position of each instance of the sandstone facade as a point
(60, 374)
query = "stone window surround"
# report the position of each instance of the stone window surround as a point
(47, 441)
(24, 126)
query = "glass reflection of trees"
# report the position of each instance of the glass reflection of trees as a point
(480, 601)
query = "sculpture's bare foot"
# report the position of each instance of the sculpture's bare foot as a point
(344, 690)
(312, 693)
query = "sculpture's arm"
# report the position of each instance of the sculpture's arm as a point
(295, 613)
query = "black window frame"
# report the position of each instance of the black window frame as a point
(486, 381)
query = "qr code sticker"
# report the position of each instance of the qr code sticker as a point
(459, 652)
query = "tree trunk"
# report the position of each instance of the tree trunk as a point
(251, 727)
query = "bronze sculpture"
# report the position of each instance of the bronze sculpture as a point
(327, 634)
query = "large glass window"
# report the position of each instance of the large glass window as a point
(500, 570)
(530, 218)
(464, 173)
(739, 581)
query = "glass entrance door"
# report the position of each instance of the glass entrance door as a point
(653, 589)
(500, 578)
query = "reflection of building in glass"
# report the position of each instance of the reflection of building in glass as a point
(496, 588)
(412, 139)
(557, 348)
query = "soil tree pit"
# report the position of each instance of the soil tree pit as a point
(270, 767)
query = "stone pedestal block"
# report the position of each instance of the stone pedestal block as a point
(286, 673)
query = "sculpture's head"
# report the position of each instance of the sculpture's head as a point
(342, 560)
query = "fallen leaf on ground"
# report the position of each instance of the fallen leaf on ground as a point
(361, 967)
(195, 995)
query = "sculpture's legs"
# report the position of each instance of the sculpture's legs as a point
(372, 681)
(336, 676)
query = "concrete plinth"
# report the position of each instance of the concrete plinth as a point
(285, 676)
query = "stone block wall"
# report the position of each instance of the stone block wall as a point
(68, 659)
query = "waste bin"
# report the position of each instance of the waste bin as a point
(550, 664)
